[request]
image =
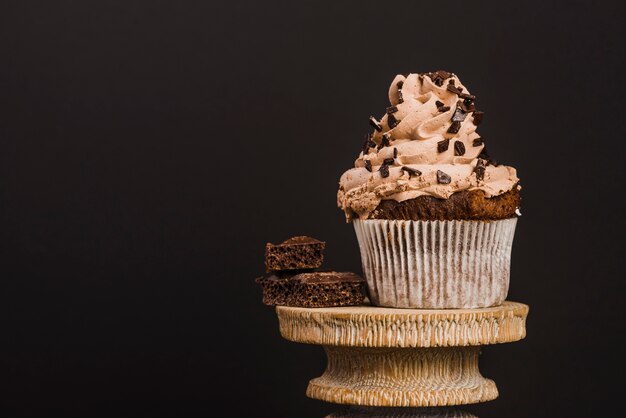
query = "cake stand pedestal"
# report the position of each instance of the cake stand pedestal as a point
(384, 357)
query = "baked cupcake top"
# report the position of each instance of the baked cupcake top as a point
(425, 144)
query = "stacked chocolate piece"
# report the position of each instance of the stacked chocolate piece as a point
(292, 278)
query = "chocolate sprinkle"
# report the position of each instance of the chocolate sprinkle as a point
(454, 127)
(392, 109)
(375, 124)
(467, 105)
(478, 117)
(392, 121)
(477, 142)
(453, 89)
(412, 171)
(367, 144)
(388, 161)
(442, 146)
(443, 178)
(395, 153)
(480, 169)
(384, 170)
(368, 165)
(443, 74)
(459, 115)
(459, 148)
(384, 142)
(439, 76)
(485, 156)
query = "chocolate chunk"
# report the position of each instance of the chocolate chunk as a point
(295, 253)
(467, 96)
(384, 142)
(467, 105)
(477, 142)
(438, 104)
(375, 124)
(459, 148)
(451, 82)
(367, 144)
(485, 156)
(438, 77)
(400, 97)
(388, 161)
(459, 115)
(276, 288)
(384, 170)
(480, 169)
(392, 121)
(453, 89)
(443, 108)
(368, 165)
(442, 146)
(454, 127)
(478, 117)
(443, 178)
(395, 153)
(399, 84)
(392, 109)
(443, 74)
(316, 289)
(412, 171)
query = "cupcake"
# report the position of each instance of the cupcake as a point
(433, 213)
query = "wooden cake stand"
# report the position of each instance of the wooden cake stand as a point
(384, 357)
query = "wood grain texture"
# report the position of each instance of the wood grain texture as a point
(386, 357)
(369, 326)
(402, 377)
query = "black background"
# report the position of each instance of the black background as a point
(150, 149)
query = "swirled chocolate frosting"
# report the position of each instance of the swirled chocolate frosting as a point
(425, 144)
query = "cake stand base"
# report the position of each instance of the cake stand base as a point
(401, 376)
(403, 357)
(381, 412)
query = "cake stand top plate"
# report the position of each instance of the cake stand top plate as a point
(370, 326)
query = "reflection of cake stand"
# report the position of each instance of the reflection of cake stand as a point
(383, 357)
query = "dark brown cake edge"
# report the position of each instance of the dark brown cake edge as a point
(464, 205)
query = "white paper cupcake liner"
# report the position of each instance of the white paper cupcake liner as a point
(436, 264)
